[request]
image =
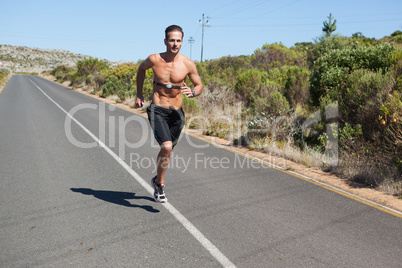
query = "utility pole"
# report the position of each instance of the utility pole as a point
(191, 41)
(203, 24)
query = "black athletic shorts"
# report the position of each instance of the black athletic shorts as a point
(167, 124)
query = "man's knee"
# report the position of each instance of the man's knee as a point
(166, 147)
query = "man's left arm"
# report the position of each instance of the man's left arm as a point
(195, 79)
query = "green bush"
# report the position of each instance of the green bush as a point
(296, 89)
(250, 82)
(274, 104)
(325, 45)
(147, 89)
(331, 71)
(63, 72)
(219, 128)
(347, 134)
(226, 70)
(398, 84)
(362, 96)
(124, 71)
(277, 55)
(89, 80)
(391, 118)
(115, 86)
(219, 66)
(91, 66)
(395, 37)
(190, 105)
(3, 75)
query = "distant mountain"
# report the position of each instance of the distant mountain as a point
(26, 59)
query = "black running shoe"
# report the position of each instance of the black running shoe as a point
(159, 193)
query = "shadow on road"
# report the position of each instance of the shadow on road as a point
(119, 198)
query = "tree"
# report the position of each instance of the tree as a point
(357, 35)
(329, 26)
(396, 33)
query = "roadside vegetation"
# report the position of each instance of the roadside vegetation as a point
(334, 104)
(4, 76)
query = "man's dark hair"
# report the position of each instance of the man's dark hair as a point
(174, 28)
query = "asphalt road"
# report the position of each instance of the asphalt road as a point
(75, 193)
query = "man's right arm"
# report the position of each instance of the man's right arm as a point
(145, 65)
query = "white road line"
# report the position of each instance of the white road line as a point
(211, 248)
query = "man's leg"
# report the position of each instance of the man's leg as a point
(163, 161)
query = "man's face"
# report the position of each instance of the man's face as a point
(174, 42)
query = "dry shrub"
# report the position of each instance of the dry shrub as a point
(275, 135)
(287, 150)
(391, 187)
(130, 101)
(114, 98)
(373, 164)
(219, 114)
(218, 101)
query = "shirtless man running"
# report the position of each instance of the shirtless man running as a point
(165, 113)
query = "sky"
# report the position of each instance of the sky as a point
(123, 30)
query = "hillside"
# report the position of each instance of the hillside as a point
(26, 59)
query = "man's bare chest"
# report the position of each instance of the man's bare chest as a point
(170, 72)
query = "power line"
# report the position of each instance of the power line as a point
(248, 6)
(242, 8)
(258, 17)
(257, 3)
(224, 6)
(299, 24)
